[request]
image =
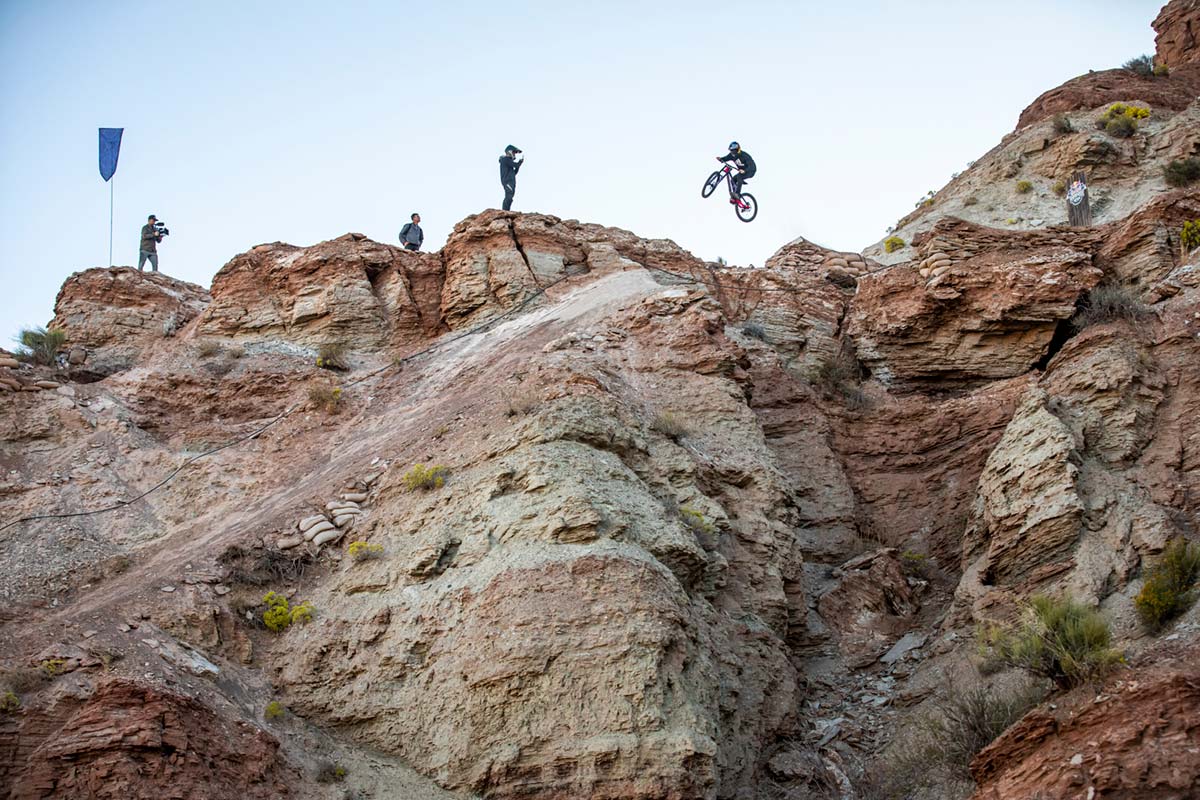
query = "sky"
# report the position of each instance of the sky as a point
(299, 121)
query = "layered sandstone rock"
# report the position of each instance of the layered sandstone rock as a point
(1178, 34)
(114, 314)
(1095, 89)
(131, 741)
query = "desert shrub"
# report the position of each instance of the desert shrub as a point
(332, 355)
(670, 425)
(1189, 236)
(1170, 585)
(52, 667)
(1182, 171)
(328, 772)
(755, 331)
(365, 551)
(23, 680)
(421, 477)
(236, 352)
(1121, 127)
(41, 345)
(1059, 188)
(274, 710)
(1056, 638)
(695, 521)
(893, 243)
(9, 703)
(839, 374)
(970, 201)
(207, 348)
(934, 750)
(1062, 124)
(1109, 303)
(1161, 71)
(326, 397)
(1142, 65)
(915, 564)
(280, 615)
(1121, 120)
(1024, 187)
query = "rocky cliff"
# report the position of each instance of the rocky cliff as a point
(559, 511)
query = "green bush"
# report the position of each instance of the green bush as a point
(1059, 188)
(1121, 120)
(1024, 187)
(1110, 303)
(332, 355)
(274, 710)
(279, 615)
(41, 345)
(1182, 171)
(52, 667)
(893, 243)
(1057, 638)
(1142, 65)
(1161, 71)
(1121, 127)
(421, 477)
(1170, 585)
(696, 522)
(1189, 235)
(1062, 124)
(9, 703)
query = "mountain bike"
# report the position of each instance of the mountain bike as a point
(744, 204)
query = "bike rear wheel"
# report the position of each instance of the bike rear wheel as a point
(751, 207)
(711, 184)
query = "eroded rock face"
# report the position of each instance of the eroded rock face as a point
(348, 289)
(871, 606)
(116, 313)
(987, 317)
(1178, 34)
(133, 741)
(1172, 93)
(1137, 739)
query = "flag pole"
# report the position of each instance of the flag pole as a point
(110, 220)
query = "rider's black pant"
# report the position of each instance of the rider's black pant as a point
(741, 178)
(509, 191)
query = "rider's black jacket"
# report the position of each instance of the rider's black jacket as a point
(508, 170)
(742, 160)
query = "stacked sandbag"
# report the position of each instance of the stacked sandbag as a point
(934, 265)
(331, 523)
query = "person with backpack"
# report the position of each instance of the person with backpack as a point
(509, 166)
(411, 235)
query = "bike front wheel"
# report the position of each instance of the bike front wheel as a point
(748, 208)
(711, 184)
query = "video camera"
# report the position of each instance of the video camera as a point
(161, 229)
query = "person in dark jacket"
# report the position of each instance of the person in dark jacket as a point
(509, 166)
(411, 235)
(742, 160)
(148, 249)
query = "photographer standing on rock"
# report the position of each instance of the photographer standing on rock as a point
(509, 166)
(411, 235)
(152, 234)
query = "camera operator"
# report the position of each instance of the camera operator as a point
(152, 233)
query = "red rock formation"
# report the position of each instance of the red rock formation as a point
(132, 741)
(1134, 738)
(115, 313)
(1173, 93)
(1178, 34)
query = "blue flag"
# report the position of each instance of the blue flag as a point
(110, 148)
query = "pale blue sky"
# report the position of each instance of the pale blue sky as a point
(299, 121)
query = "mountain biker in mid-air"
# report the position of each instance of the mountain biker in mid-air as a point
(742, 160)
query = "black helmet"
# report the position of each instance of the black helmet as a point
(734, 146)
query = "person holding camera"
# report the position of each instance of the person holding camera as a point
(411, 235)
(510, 165)
(152, 233)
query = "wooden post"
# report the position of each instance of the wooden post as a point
(1079, 205)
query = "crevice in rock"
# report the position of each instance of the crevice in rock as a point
(512, 231)
(1063, 332)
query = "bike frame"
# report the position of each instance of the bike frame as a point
(728, 170)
